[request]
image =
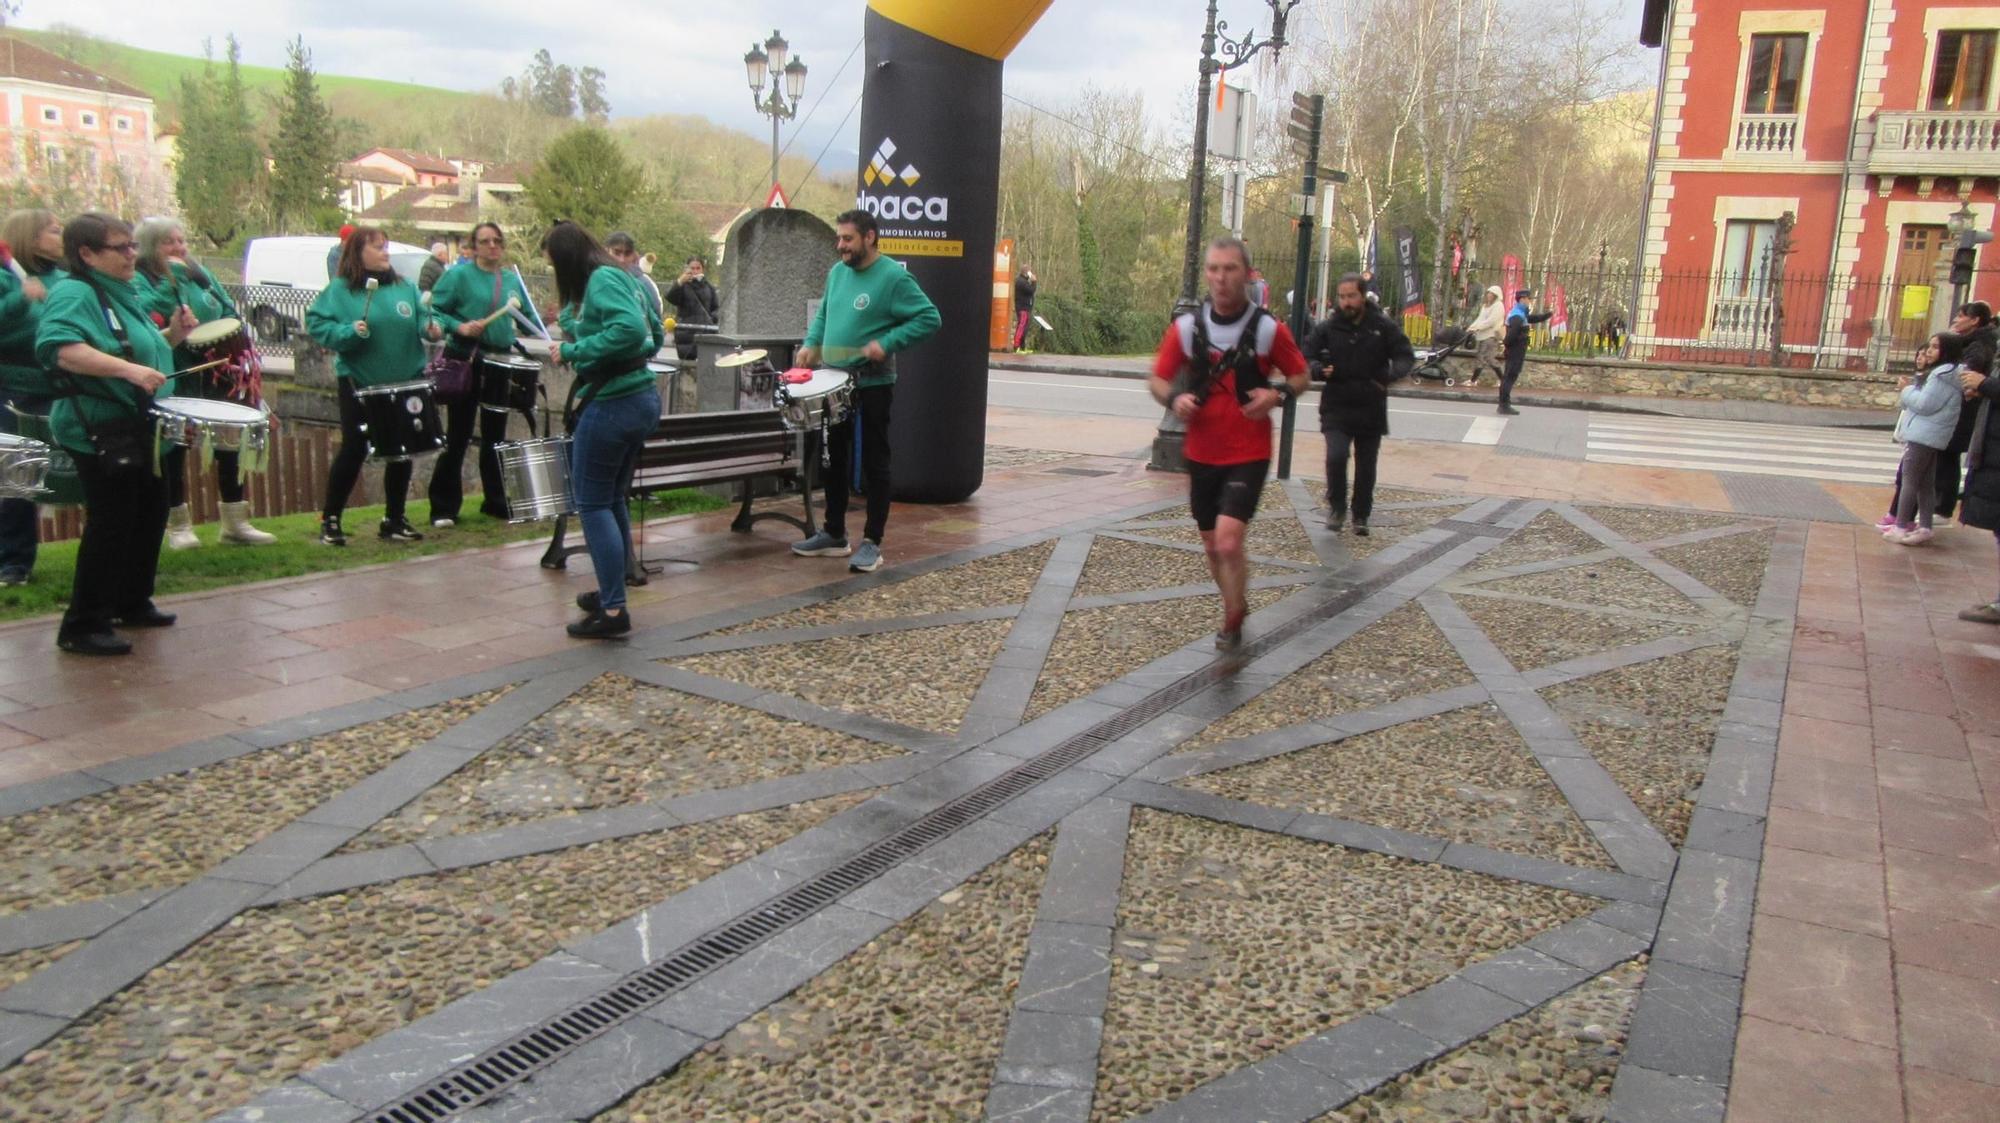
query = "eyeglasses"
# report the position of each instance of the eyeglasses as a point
(119, 247)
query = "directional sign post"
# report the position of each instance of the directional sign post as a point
(1308, 116)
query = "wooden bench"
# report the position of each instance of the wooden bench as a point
(726, 446)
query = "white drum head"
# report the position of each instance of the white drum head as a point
(824, 381)
(206, 409)
(510, 362)
(211, 333)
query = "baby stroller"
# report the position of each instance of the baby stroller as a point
(1436, 364)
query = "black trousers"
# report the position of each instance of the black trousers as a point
(870, 419)
(346, 469)
(228, 478)
(1510, 372)
(125, 518)
(1367, 450)
(447, 491)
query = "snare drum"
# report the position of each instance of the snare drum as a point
(400, 419)
(63, 486)
(537, 477)
(24, 466)
(212, 426)
(822, 399)
(507, 383)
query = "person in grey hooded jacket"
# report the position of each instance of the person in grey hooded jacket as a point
(1930, 402)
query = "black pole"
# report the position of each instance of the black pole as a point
(1301, 312)
(1198, 172)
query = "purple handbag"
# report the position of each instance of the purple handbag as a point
(452, 375)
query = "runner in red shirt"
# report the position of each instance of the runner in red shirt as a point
(1214, 371)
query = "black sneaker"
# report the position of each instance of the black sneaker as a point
(398, 530)
(147, 617)
(1336, 520)
(599, 625)
(1510, 411)
(330, 533)
(1361, 527)
(106, 642)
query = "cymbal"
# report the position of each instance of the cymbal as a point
(741, 358)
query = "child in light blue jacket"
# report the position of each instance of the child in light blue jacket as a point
(1930, 404)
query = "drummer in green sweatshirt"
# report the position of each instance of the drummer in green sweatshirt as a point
(374, 323)
(464, 295)
(169, 281)
(94, 328)
(872, 309)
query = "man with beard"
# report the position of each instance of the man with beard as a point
(1359, 351)
(872, 309)
(1213, 369)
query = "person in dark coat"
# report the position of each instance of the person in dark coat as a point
(1514, 346)
(1358, 351)
(695, 305)
(1974, 321)
(1980, 503)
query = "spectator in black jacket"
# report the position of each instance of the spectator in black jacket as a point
(1974, 321)
(1359, 352)
(434, 267)
(695, 304)
(1982, 473)
(1024, 305)
(1514, 348)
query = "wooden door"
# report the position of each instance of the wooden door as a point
(1917, 255)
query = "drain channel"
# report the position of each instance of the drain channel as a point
(512, 1062)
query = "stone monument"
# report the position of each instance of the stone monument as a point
(772, 272)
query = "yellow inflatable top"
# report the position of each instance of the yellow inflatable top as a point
(985, 27)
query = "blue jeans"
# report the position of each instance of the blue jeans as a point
(20, 521)
(608, 438)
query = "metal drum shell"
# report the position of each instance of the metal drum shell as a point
(537, 477)
(64, 486)
(507, 384)
(825, 399)
(205, 422)
(400, 419)
(24, 467)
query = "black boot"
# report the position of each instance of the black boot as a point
(330, 533)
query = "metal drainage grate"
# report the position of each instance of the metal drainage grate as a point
(512, 1062)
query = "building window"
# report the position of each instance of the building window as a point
(1741, 308)
(51, 115)
(89, 119)
(1962, 76)
(1777, 62)
(122, 124)
(52, 155)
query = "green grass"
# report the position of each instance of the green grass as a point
(298, 552)
(159, 74)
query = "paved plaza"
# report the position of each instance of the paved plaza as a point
(1566, 794)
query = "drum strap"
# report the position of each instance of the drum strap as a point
(573, 406)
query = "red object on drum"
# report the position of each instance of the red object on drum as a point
(796, 375)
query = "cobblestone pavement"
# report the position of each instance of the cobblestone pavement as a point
(1463, 832)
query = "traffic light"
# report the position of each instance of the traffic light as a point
(1962, 258)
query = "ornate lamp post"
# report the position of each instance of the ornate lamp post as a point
(782, 104)
(1235, 52)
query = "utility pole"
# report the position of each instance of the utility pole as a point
(1308, 116)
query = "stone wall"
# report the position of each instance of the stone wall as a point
(1752, 384)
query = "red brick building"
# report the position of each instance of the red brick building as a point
(60, 120)
(1870, 122)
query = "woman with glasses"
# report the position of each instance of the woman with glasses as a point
(608, 337)
(463, 296)
(169, 281)
(372, 320)
(96, 332)
(33, 262)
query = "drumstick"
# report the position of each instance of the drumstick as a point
(512, 305)
(199, 369)
(370, 298)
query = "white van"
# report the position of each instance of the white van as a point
(281, 276)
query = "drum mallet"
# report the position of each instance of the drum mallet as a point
(371, 286)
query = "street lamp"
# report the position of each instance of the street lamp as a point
(769, 61)
(1235, 52)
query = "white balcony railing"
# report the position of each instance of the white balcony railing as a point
(1742, 320)
(1935, 142)
(1768, 134)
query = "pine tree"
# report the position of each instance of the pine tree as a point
(585, 177)
(218, 162)
(303, 154)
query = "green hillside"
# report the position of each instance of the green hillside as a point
(159, 74)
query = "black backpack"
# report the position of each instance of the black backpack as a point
(1201, 378)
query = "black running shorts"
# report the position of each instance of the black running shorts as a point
(1225, 489)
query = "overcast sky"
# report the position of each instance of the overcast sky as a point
(676, 57)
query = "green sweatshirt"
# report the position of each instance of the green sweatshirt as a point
(393, 350)
(205, 298)
(610, 330)
(73, 314)
(880, 304)
(465, 293)
(21, 373)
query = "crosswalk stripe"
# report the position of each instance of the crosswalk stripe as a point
(1752, 448)
(1485, 431)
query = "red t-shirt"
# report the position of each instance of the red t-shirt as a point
(1218, 433)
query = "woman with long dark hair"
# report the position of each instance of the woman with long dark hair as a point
(32, 263)
(376, 336)
(464, 295)
(168, 280)
(96, 331)
(608, 338)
